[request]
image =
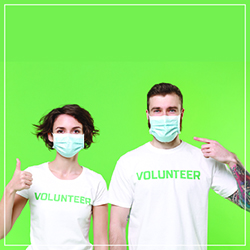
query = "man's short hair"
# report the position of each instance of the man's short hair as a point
(46, 123)
(164, 89)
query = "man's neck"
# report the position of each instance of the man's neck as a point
(166, 145)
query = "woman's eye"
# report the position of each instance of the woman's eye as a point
(77, 132)
(59, 131)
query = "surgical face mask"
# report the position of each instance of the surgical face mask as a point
(164, 128)
(68, 145)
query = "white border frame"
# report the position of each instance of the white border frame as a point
(245, 132)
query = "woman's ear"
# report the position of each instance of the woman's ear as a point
(50, 137)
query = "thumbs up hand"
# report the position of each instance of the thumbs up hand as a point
(21, 179)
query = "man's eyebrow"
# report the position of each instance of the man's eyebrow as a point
(155, 108)
(173, 107)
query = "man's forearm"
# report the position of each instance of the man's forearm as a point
(117, 238)
(96, 247)
(242, 177)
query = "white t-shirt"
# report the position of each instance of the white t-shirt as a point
(61, 209)
(167, 192)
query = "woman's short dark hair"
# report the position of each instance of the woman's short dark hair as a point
(164, 89)
(81, 115)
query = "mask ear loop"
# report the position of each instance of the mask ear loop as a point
(179, 123)
(53, 139)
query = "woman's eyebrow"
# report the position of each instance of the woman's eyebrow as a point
(77, 127)
(59, 128)
(64, 127)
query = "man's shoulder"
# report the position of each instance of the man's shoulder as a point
(137, 151)
(147, 150)
(134, 155)
(197, 154)
(190, 147)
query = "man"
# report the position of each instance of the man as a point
(163, 185)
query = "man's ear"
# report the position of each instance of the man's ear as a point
(182, 112)
(147, 114)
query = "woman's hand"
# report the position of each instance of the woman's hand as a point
(12, 204)
(20, 180)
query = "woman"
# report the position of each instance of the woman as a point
(62, 194)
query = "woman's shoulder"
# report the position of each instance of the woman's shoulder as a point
(90, 174)
(37, 168)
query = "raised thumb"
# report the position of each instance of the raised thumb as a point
(18, 165)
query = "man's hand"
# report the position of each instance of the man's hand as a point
(214, 150)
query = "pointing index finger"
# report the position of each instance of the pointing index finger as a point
(202, 140)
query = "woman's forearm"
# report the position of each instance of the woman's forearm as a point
(100, 227)
(6, 209)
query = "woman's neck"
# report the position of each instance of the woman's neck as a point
(65, 168)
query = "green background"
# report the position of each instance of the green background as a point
(106, 58)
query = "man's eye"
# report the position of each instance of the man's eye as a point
(172, 110)
(156, 111)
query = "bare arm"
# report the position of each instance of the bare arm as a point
(117, 231)
(14, 203)
(239, 197)
(100, 226)
(218, 152)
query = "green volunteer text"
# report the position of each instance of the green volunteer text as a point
(168, 174)
(62, 198)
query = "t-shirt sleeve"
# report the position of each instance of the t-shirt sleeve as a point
(101, 193)
(223, 182)
(121, 186)
(25, 192)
